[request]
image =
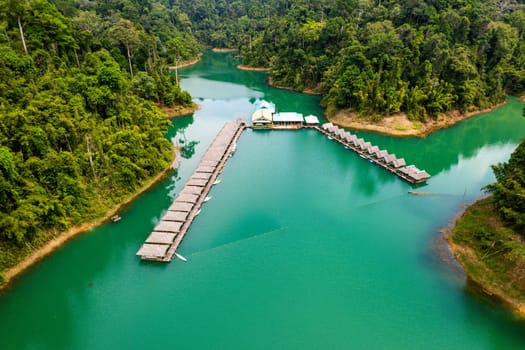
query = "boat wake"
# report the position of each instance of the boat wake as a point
(238, 241)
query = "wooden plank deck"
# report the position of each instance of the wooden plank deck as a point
(163, 242)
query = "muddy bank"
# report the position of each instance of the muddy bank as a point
(223, 49)
(253, 69)
(400, 126)
(179, 111)
(483, 281)
(185, 64)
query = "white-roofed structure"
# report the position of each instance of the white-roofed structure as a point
(311, 120)
(262, 104)
(287, 120)
(262, 118)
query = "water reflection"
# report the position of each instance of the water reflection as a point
(447, 148)
(299, 230)
(221, 80)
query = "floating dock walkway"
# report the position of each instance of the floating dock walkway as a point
(162, 243)
(380, 157)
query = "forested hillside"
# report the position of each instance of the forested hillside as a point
(80, 129)
(421, 57)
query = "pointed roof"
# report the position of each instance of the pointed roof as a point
(262, 116)
(262, 104)
(398, 163)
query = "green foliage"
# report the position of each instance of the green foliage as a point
(499, 253)
(418, 57)
(77, 134)
(509, 189)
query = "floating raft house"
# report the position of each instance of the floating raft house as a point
(167, 235)
(378, 156)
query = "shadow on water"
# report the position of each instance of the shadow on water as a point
(510, 327)
(438, 153)
(439, 258)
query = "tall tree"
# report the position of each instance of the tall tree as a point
(124, 32)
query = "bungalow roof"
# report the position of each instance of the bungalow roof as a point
(153, 250)
(168, 226)
(160, 238)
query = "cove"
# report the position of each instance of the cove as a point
(303, 246)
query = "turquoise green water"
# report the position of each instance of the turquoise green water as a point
(303, 246)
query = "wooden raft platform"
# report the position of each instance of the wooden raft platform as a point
(380, 157)
(166, 237)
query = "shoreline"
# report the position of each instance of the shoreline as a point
(474, 284)
(252, 69)
(179, 111)
(185, 63)
(305, 91)
(62, 238)
(495, 295)
(398, 125)
(223, 49)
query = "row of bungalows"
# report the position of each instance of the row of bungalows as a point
(266, 117)
(373, 153)
(166, 236)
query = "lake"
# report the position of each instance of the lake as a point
(304, 245)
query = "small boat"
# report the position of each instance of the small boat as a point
(198, 212)
(362, 156)
(207, 198)
(115, 218)
(180, 257)
(216, 182)
(329, 138)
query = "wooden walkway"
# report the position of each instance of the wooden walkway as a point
(166, 237)
(375, 155)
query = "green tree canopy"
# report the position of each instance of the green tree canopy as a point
(509, 189)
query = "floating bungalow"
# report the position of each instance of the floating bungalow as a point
(262, 119)
(378, 156)
(287, 120)
(311, 120)
(266, 117)
(163, 241)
